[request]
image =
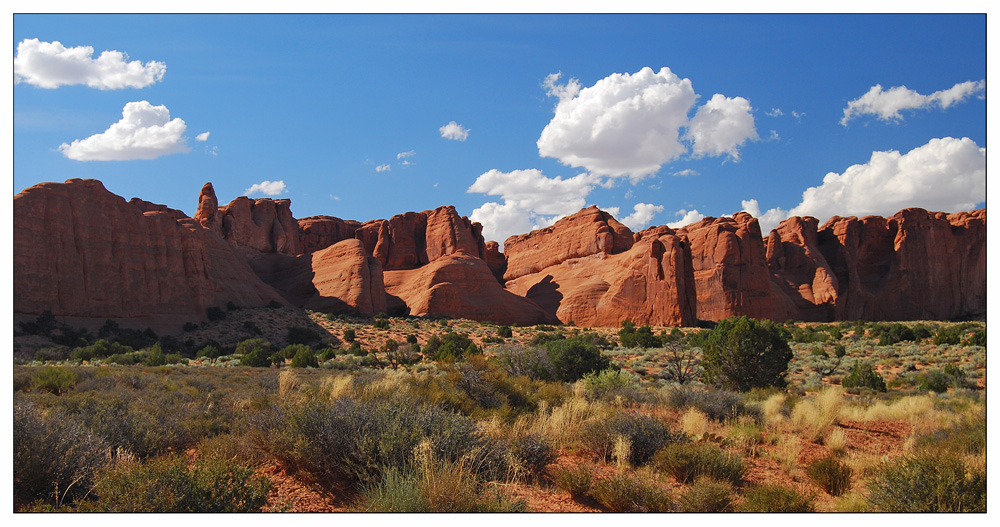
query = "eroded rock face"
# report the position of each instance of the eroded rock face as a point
(147, 206)
(730, 268)
(805, 287)
(495, 260)
(614, 276)
(81, 251)
(320, 232)
(914, 265)
(459, 285)
(346, 280)
(588, 232)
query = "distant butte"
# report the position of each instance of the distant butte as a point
(84, 253)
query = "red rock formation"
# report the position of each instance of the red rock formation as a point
(320, 232)
(805, 287)
(459, 285)
(914, 265)
(346, 280)
(146, 206)
(81, 251)
(730, 268)
(208, 209)
(264, 225)
(495, 259)
(590, 231)
(606, 278)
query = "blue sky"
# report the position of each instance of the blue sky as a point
(351, 113)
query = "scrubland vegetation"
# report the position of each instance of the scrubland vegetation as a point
(250, 412)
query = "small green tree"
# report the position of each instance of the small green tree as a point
(862, 375)
(573, 358)
(742, 353)
(304, 357)
(255, 353)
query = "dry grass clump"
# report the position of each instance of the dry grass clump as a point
(814, 417)
(695, 423)
(774, 409)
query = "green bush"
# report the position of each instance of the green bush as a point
(54, 379)
(775, 498)
(451, 347)
(56, 457)
(573, 358)
(830, 474)
(629, 492)
(381, 323)
(505, 332)
(688, 461)
(209, 352)
(255, 353)
(167, 484)
(928, 483)
(976, 339)
(349, 335)
(889, 334)
(632, 337)
(646, 434)
(934, 381)
(742, 353)
(304, 357)
(707, 495)
(610, 383)
(862, 375)
(948, 335)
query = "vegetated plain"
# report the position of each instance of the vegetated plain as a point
(273, 409)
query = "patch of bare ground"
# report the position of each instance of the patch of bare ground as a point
(290, 493)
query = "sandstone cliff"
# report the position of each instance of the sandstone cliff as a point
(81, 251)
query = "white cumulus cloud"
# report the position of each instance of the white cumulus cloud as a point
(642, 215)
(144, 132)
(721, 126)
(402, 155)
(888, 103)
(531, 200)
(51, 65)
(946, 174)
(383, 168)
(202, 136)
(454, 131)
(630, 124)
(267, 188)
(687, 218)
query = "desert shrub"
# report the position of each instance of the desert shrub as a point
(631, 492)
(505, 332)
(933, 381)
(831, 474)
(380, 323)
(142, 429)
(742, 353)
(451, 347)
(978, 338)
(948, 335)
(255, 353)
(967, 436)
(349, 335)
(688, 461)
(209, 352)
(646, 434)
(775, 498)
(154, 356)
(610, 383)
(574, 479)
(301, 335)
(356, 441)
(304, 357)
(681, 364)
(707, 495)
(55, 456)
(215, 314)
(719, 405)
(54, 379)
(534, 453)
(190, 326)
(928, 483)
(167, 484)
(889, 334)
(573, 358)
(100, 349)
(529, 361)
(862, 375)
(632, 337)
